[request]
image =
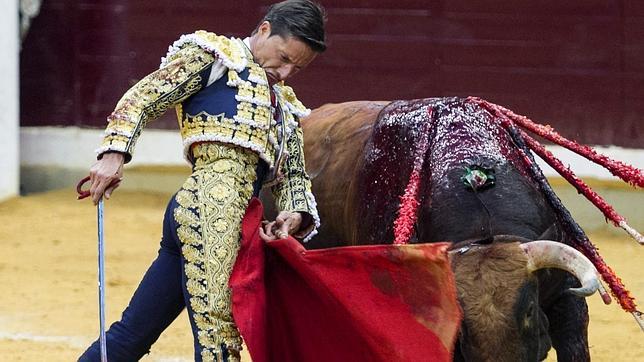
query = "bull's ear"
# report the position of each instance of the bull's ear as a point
(551, 233)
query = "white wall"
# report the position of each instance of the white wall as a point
(9, 95)
(72, 147)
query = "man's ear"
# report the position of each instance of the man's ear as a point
(264, 28)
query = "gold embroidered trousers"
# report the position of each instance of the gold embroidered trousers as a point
(211, 205)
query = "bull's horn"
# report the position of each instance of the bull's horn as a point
(552, 254)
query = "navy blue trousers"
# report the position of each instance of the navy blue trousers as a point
(159, 299)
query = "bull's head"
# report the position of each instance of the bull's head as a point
(498, 291)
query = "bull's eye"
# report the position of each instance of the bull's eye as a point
(529, 315)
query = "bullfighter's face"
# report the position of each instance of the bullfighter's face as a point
(280, 57)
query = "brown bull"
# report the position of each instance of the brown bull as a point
(358, 156)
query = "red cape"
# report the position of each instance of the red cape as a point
(360, 303)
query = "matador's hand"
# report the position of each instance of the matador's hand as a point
(105, 176)
(285, 224)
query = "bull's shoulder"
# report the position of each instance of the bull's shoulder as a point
(355, 111)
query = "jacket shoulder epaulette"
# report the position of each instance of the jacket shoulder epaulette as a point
(294, 105)
(229, 51)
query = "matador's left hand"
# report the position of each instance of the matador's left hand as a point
(285, 224)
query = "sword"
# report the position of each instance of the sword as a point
(101, 267)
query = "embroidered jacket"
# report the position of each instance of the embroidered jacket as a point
(220, 94)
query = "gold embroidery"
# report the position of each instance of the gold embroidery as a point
(290, 194)
(179, 112)
(233, 78)
(223, 46)
(198, 128)
(153, 95)
(254, 100)
(210, 207)
(259, 94)
(294, 105)
(256, 73)
(261, 115)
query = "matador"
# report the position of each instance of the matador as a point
(240, 128)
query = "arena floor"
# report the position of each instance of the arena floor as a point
(48, 308)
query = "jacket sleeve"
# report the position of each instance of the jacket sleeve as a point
(185, 73)
(293, 193)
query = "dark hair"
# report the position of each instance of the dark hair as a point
(302, 19)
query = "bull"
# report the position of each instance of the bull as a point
(478, 192)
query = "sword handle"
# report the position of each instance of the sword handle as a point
(85, 193)
(79, 188)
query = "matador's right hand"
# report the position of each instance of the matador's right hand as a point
(105, 175)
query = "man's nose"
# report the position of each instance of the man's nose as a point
(286, 70)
